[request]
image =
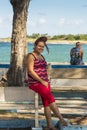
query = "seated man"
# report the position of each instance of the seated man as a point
(76, 55)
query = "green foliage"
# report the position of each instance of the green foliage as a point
(35, 35)
(70, 37)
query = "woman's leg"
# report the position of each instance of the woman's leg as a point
(47, 112)
(56, 111)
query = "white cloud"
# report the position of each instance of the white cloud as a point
(32, 23)
(71, 22)
(79, 22)
(61, 21)
(42, 21)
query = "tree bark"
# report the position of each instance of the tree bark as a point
(16, 73)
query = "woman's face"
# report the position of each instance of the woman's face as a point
(39, 48)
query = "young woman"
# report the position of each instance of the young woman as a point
(39, 82)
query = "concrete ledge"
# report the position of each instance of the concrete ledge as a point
(69, 84)
(69, 73)
(16, 94)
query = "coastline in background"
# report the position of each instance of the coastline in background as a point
(31, 40)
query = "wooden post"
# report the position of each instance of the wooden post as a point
(36, 110)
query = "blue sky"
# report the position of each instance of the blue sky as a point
(54, 17)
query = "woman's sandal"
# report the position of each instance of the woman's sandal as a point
(64, 123)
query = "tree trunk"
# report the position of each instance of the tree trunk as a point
(16, 72)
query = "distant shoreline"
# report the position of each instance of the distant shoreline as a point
(60, 41)
(65, 42)
(30, 40)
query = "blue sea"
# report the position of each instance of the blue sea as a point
(57, 52)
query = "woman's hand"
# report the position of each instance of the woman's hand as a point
(44, 83)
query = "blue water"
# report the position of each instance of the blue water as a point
(58, 52)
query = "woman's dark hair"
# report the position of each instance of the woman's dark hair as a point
(42, 39)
